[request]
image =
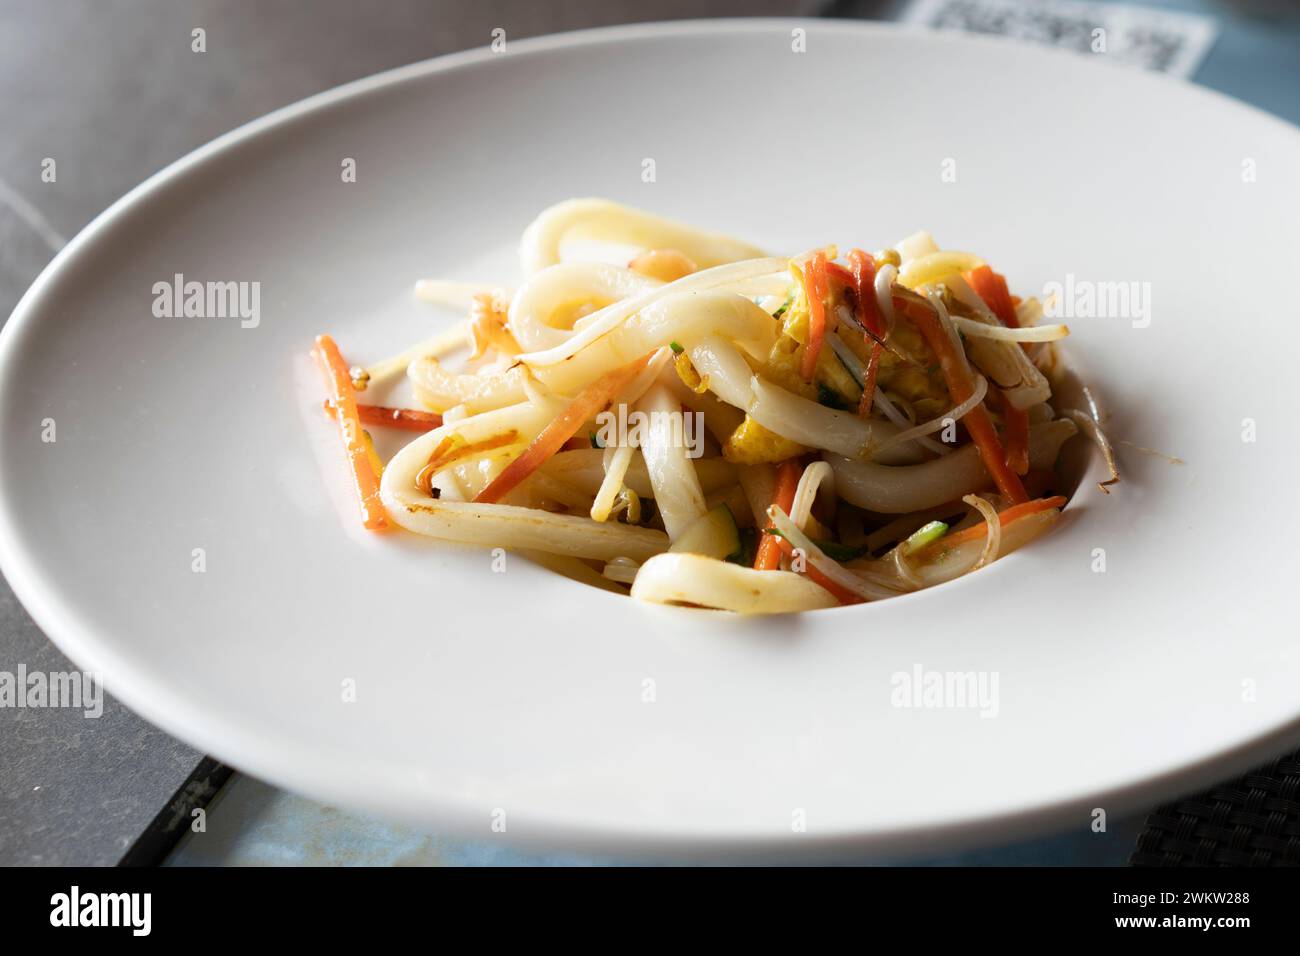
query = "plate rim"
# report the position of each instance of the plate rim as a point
(167, 709)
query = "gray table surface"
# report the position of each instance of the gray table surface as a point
(111, 90)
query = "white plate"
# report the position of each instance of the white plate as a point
(479, 692)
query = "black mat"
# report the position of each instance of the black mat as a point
(1251, 821)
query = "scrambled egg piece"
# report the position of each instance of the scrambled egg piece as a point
(692, 379)
(922, 387)
(752, 444)
(782, 367)
(783, 363)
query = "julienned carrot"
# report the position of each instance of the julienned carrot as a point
(863, 267)
(815, 284)
(372, 456)
(339, 382)
(838, 591)
(961, 388)
(1005, 517)
(838, 273)
(1017, 431)
(992, 288)
(1017, 422)
(869, 384)
(564, 426)
(768, 557)
(407, 419)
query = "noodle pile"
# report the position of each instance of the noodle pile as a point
(713, 426)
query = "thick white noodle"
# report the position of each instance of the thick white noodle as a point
(564, 286)
(775, 287)
(545, 488)
(644, 379)
(439, 389)
(500, 525)
(787, 414)
(510, 526)
(903, 488)
(685, 318)
(816, 426)
(725, 370)
(617, 458)
(677, 490)
(605, 320)
(694, 579)
(606, 221)
(473, 476)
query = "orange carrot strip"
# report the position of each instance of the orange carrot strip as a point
(992, 288)
(407, 419)
(339, 382)
(552, 438)
(815, 284)
(869, 386)
(768, 557)
(838, 591)
(1005, 517)
(837, 273)
(1017, 431)
(961, 388)
(864, 285)
(1017, 438)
